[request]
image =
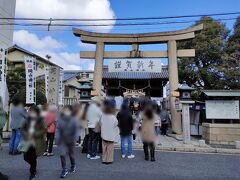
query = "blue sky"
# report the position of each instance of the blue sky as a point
(64, 46)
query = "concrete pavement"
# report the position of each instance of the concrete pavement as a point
(169, 165)
(168, 143)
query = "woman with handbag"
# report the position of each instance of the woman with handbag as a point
(33, 144)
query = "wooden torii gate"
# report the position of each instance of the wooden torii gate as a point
(171, 38)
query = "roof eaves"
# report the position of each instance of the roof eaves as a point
(16, 47)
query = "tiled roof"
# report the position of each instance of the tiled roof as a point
(136, 75)
(122, 75)
(69, 75)
(222, 93)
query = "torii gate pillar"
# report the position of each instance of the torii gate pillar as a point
(98, 68)
(173, 85)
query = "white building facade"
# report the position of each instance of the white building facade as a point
(7, 10)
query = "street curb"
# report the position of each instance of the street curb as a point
(192, 149)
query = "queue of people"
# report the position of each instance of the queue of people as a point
(36, 129)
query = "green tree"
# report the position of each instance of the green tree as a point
(41, 98)
(17, 85)
(231, 67)
(204, 70)
(16, 81)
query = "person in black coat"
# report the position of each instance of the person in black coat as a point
(125, 123)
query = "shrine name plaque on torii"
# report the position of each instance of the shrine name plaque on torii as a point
(171, 38)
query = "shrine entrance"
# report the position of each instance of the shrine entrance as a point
(171, 38)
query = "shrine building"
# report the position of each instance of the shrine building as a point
(78, 84)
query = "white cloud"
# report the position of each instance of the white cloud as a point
(48, 45)
(86, 45)
(77, 9)
(28, 39)
(68, 61)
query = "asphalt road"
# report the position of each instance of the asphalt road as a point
(169, 165)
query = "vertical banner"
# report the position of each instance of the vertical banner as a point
(3, 69)
(53, 85)
(46, 80)
(30, 79)
(60, 98)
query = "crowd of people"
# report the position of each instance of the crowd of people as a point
(99, 124)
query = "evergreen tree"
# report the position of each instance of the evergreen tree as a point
(231, 67)
(204, 70)
(16, 83)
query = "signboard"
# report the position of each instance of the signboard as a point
(178, 105)
(53, 85)
(222, 109)
(60, 98)
(135, 65)
(134, 92)
(30, 79)
(3, 67)
(175, 94)
(46, 80)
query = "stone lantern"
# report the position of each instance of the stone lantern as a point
(85, 86)
(186, 100)
(185, 92)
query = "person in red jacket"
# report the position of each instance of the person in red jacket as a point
(50, 121)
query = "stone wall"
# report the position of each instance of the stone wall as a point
(221, 133)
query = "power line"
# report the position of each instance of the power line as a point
(111, 24)
(122, 19)
(63, 29)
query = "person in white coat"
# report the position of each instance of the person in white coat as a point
(109, 131)
(93, 116)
